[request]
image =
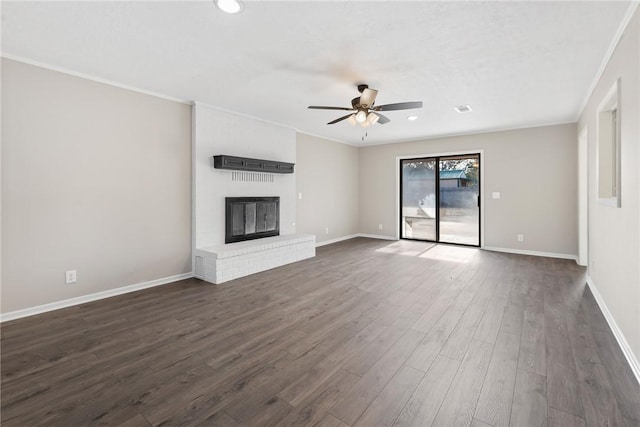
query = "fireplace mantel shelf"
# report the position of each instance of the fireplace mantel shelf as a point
(251, 165)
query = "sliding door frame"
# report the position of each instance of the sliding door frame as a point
(481, 161)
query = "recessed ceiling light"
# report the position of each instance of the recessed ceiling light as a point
(412, 118)
(229, 6)
(462, 108)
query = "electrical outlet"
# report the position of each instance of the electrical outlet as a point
(326, 230)
(71, 276)
(520, 237)
(379, 226)
(299, 196)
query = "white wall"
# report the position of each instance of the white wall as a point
(534, 169)
(614, 233)
(220, 132)
(94, 179)
(327, 178)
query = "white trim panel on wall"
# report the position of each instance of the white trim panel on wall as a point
(583, 197)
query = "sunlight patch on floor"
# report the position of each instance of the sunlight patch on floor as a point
(406, 247)
(460, 254)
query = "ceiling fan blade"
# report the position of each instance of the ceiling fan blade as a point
(320, 107)
(382, 119)
(340, 119)
(368, 97)
(399, 106)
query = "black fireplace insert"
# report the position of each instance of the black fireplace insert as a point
(249, 218)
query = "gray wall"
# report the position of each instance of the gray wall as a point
(327, 177)
(614, 233)
(94, 178)
(535, 170)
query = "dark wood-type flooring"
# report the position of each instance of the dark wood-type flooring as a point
(368, 333)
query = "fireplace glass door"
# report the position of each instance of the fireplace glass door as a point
(250, 218)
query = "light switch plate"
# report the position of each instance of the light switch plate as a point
(495, 195)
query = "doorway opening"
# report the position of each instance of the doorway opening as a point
(440, 199)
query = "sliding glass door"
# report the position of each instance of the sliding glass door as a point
(418, 200)
(440, 199)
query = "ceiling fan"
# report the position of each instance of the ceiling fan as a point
(364, 112)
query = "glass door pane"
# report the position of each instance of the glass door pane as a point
(418, 199)
(459, 204)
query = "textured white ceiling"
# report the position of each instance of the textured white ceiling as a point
(517, 64)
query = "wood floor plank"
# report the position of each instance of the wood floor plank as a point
(445, 294)
(459, 404)
(529, 400)
(478, 423)
(253, 400)
(200, 403)
(387, 405)
(624, 384)
(423, 405)
(532, 347)
(137, 421)
(316, 377)
(272, 412)
(458, 342)
(439, 334)
(492, 318)
(562, 419)
(598, 399)
(315, 406)
(429, 348)
(356, 401)
(346, 333)
(331, 421)
(513, 315)
(364, 314)
(359, 364)
(494, 404)
(562, 381)
(219, 419)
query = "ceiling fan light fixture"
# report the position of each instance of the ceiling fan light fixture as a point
(229, 6)
(372, 119)
(363, 110)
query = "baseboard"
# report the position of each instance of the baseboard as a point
(533, 253)
(336, 240)
(376, 236)
(353, 236)
(622, 342)
(12, 315)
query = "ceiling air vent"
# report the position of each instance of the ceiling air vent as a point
(462, 108)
